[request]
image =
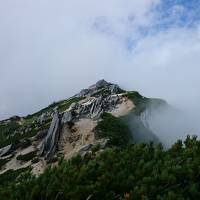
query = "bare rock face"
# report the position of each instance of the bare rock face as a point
(84, 150)
(43, 118)
(102, 84)
(67, 117)
(49, 145)
(6, 150)
(91, 107)
(100, 97)
(114, 89)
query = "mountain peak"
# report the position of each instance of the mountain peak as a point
(100, 87)
(101, 83)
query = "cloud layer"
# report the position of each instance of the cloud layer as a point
(49, 50)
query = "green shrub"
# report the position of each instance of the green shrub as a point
(3, 162)
(35, 160)
(95, 148)
(5, 131)
(115, 129)
(140, 171)
(27, 157)
(25, 143)
(11, 175)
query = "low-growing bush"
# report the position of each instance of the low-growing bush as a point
(115, 129)
(3, 162)
(35, 160)
(27, 157)
(135, 172)
(11, 175)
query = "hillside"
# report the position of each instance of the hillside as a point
(73, 134)
(71, 126)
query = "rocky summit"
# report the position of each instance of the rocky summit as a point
(75, 126)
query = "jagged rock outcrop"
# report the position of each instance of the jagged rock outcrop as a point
(102, 84)
(67, 117)
(114, 89)
(91, 107)
(49, 145)
(100, 97)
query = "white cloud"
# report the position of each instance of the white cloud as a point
(51, 49)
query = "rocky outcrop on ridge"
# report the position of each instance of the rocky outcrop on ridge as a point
(91, 107)
(100, 97)
(100, 87)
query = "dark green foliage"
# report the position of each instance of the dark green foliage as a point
(10, 175)
(15, 139)
(95, 148)
(35, 160)
(5, 131)
(3, 162)
(141, 171)
(25, 143)
(140, 102)
(113, 128)
(27, 157)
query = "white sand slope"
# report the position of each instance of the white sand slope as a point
(81, 134)
(124, 108)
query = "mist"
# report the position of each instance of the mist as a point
(50, 50)
(170, 124)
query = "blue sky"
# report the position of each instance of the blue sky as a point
(187, 13)
(164, 16)
(169, 14)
